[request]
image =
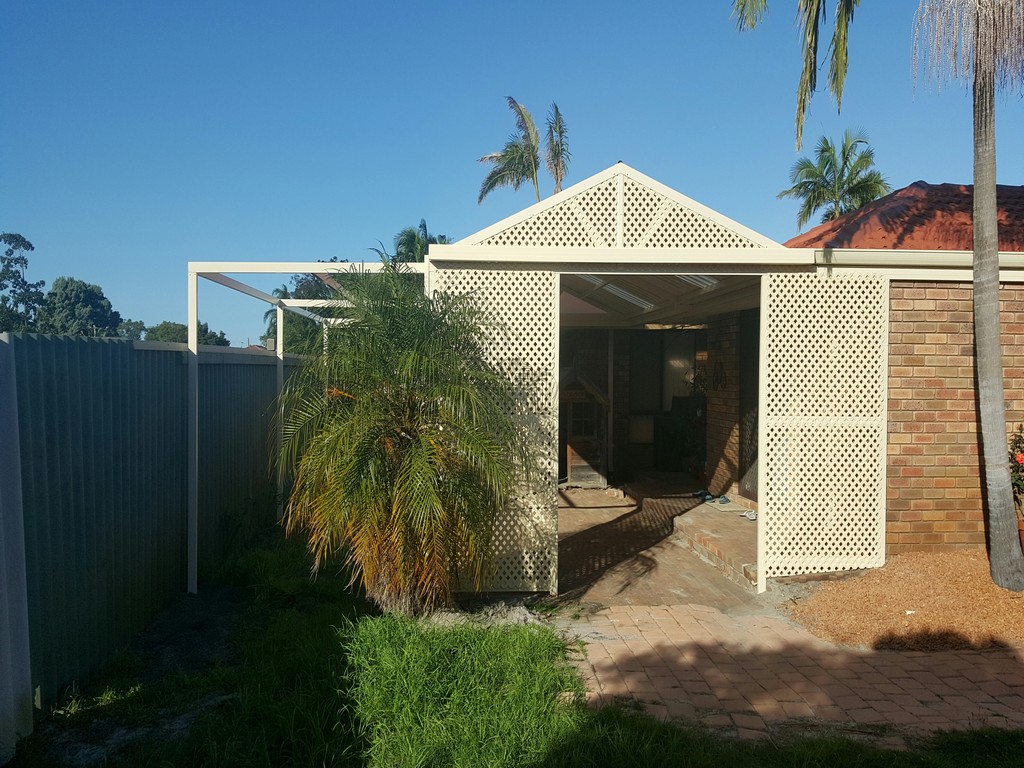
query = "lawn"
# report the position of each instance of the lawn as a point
(318, 679)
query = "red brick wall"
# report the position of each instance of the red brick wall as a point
(723, 404)
(933, 496)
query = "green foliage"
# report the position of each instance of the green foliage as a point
(301, 334)
(460, 696)
(811, 16)
(411, 243)
(401, 442)
(168, 330)
(77, 308)
(131, 329)
(519, 161)
(19, 299)
(1017, 468)
(839, 179)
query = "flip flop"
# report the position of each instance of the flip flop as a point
(723, 499)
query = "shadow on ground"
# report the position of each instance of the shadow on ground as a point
(586, 556)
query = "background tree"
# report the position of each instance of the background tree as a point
(168, 330)
(301, 334)
(411, 243)
(19, 299)
(77, 308)
(519, 162)
(401, 444)
(810, 19)
(839, 179)
(131, 329)
(983, 41)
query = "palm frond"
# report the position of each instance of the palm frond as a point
(749, 13)
(557, 157)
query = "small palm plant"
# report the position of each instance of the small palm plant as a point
(402, 443)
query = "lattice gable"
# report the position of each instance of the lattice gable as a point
(619, 208)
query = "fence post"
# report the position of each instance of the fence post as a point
(193, 433)
(15, 659)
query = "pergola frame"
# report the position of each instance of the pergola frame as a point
(610, 264)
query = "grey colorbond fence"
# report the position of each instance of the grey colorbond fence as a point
(98, 428)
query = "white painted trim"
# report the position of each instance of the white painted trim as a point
(192, 524)
(206, 268)
(762, 441)
(279, 354)
(596, 260)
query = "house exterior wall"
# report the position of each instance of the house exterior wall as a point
(723, 404)
(933, 493)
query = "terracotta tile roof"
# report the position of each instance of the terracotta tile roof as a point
(920, 217)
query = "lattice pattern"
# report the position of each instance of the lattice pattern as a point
(650, 220)
(526, 305)
(655, 221)
(824, 424)
(584, 220)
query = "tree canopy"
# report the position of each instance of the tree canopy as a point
(19, 299)
(168, 330)
(77, 308)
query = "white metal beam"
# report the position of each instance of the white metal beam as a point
(292, 267)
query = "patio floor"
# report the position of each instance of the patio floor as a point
(668, 628)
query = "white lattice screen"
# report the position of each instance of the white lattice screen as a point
(823, 424)
(525, 304)
(601, 217)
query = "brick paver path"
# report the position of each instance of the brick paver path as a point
(745, 672)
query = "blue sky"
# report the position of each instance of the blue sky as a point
(138, 135)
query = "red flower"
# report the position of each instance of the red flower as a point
(1020, 458)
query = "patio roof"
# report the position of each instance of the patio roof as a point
(625, 221)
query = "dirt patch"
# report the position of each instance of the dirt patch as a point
(920, 601)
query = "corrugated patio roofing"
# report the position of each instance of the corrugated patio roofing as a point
(920, 217)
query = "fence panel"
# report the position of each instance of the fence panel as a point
(102, 489)
(15, 679)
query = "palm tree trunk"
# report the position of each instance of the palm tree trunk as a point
(1006, 562)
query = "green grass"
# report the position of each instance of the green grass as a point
(322, 681)
(460, 696)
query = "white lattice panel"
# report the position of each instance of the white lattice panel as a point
(526, 305)
(590, 219)
(584, 220)
(823, 428)
(654, 221)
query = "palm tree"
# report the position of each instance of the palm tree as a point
(270, 316)
(984, 40)
(810, 17)
(839, 180)
(401, 443)
(519, 162)
(411, 243)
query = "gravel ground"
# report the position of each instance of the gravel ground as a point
(919, 601)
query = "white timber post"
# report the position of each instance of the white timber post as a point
(279, 352)
(193, 433)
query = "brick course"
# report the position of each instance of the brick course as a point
(933, 494)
